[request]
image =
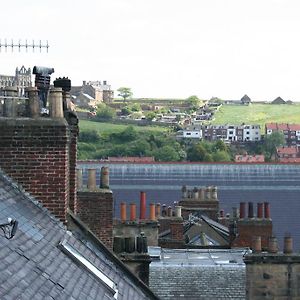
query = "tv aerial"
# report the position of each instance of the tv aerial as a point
(21, 45)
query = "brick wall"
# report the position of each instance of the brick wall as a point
(249, 228)
(35, 153)
(95, 209)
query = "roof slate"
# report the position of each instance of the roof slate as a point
(32, 266)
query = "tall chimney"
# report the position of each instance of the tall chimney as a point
(242, 210)
(143, 206)
(132, 212)
(267, 210)
(250, 210)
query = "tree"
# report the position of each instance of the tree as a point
(221, 156)
(150, 115)
(166, 153)
(196, 153)
(271, 142)
(124, 92)
(105, 112)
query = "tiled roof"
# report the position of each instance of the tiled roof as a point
(290, 160)
(34, 266)
(271, 126)
(287, 150)
(294, 127)
(199, 274)
(283, 126)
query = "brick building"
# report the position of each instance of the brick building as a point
(228, 133)
(291, 132)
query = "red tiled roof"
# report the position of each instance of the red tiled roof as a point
(250, 158)
(287, 150)
(131, 159)
(282, 126)
(289, 160)
(294, 127)
(271, 126)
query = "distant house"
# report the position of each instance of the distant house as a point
(278, 100)
(246, 100)
(288, 154)
(97, 90)
(291, 132)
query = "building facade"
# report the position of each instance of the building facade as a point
(21, 80)
(229, 133)
(291, 132)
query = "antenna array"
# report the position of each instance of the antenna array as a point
(34, 45)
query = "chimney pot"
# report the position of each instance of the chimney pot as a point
(242, 210)
(202, 194)
(234, 212)
(142, 206)
(10, 104)
(222, 213)
(267, 210)
(195, 193)
(91, 185)
(260, 210)
(104, 178)
(152, 212)
(250, 210)
(33, 102)
(178, 211)
(169, 212)
(132, 212)
(123, 212)
(214, 193)
(157, 210)
(207, 193)
(56, 103)
(256, 244)
(164, 210)
(288, 245)
(273, 245)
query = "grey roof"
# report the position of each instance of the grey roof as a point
(33, 265)
(199, 274)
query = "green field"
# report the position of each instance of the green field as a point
(257, 114)
(101, 127)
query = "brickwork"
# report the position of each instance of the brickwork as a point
(95, 209)
(211, 207)
(249, 228)
(176, 227)
(34, 152)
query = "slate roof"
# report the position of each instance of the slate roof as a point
(199, 274)
(33, 265)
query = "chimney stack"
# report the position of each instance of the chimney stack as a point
(142, 206)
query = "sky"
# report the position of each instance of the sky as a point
(162, 48)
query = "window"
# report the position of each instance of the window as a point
(77, 257)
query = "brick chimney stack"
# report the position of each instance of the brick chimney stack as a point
(94, 206)
(36, 151)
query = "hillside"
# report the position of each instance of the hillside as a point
(257, 114)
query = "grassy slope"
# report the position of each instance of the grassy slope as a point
(258, 114)
(109, 128)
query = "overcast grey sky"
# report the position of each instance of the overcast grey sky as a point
(163, 48)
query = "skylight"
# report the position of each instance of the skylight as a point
(76, 256)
